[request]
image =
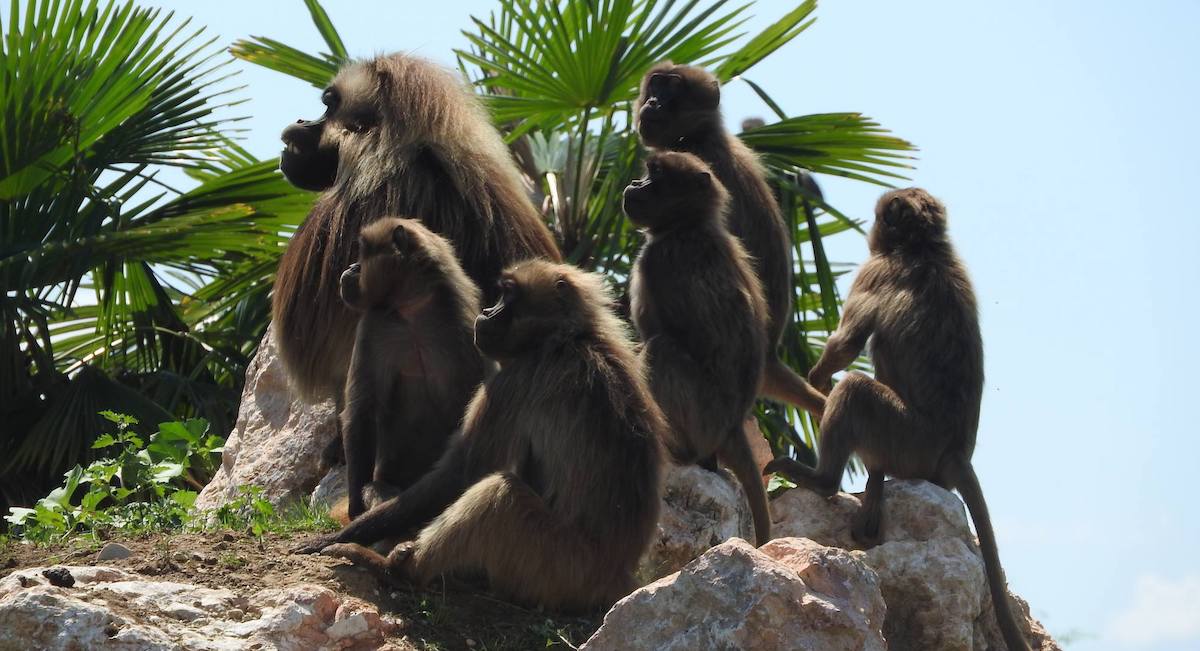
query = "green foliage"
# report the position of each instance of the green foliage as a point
(247, 511)
(117, 290)
(149, 485)
(140, 487)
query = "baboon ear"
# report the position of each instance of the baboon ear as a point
(561, 284)
(703, 179)
(399, 237)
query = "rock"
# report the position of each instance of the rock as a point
(928, 563)
(113, 551)
(700, 509)
(277, 441)
(349, 627)
(737, 597)
(113, 609)
(330, 490)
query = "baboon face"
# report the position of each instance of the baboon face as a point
(534, 305)
(677, 186)
(312, 148)
(908, 217)
(675, 102)
(395, 257)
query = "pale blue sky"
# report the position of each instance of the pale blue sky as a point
(1057, 134)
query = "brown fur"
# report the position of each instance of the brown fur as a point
(917, 418)
(700, 312)
(679, 110)
(552, 489)
(402, 136)
(414, 365)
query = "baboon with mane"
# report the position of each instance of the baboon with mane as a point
(399, 136)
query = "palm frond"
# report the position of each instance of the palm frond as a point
(849, 145)
(317, 70)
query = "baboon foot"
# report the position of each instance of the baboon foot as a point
(802, 475)
(866, 528)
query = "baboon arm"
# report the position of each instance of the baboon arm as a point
(358, 422)
(848, 342)
(422, 502)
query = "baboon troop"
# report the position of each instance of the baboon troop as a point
(523, 443)
(552, 502)
(679, 110)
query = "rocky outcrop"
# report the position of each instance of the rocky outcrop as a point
(700, 509)
(791, 594)
(109, 608)
(278, 439)
(928, 564)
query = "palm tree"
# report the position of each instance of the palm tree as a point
(118, 291)
(561, 78)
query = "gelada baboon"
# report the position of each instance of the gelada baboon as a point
(551, 491)
(918, 418)
(700, 312)
(679, 110)
(414, 365)
(400, 136)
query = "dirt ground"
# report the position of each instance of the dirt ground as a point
(449, 617)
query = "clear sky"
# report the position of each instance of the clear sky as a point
(1057, 134)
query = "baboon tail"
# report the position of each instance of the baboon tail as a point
(735, 454)
(782, 383)
(962, 474)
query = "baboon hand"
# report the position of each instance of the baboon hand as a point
(399, 561)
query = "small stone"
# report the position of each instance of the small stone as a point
(235, 614)
(59, 577)
(180, 557)
(229, 537)
(221, 545)
(23, 580)
(113, 551)
(349, 627)
(471, 643)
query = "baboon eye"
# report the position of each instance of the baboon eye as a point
(355, 127)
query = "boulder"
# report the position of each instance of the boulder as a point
(791, 594)
(277, 441)
(700, 509)
(109, 608)
(928, 563)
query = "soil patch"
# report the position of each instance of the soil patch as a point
(449, 616)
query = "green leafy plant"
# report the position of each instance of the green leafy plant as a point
(140, 486)
(116, 288)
